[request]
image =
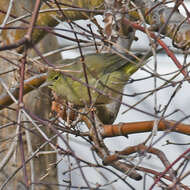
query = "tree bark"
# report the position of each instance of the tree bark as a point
(38, 102)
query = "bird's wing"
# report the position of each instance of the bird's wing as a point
(118, 62)
(128, 61)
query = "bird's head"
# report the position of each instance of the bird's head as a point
(53, 79)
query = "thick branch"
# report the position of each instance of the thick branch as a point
(125, 129)
(29, 85)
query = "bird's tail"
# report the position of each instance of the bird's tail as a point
(137, 61)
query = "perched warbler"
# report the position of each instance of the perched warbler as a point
(97, 81)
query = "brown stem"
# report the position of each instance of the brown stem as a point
(143, 126)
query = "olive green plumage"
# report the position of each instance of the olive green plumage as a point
(107, 75)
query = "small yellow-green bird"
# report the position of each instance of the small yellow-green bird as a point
(101, 86)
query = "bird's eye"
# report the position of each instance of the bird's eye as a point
(56, 77)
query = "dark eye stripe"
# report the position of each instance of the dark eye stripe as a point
(56, 77)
